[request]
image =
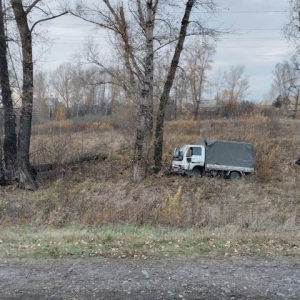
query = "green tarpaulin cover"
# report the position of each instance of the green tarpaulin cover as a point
(229, 153)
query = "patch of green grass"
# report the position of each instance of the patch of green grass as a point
(116, 241)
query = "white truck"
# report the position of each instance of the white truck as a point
(215, 157)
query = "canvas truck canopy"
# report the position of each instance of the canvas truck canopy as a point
(230, 153)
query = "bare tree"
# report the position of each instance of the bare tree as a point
(41, 95)
(159, 130)
(281, 83)
(62, 82)
(10, 135)
(294, 87)
(179, 94)
(21, 13)
(286, 84)
(114, 17)
(135, 44)
(198, 63)
(145, 124)
(236, 83)
(198, 30)
(292, 32)
(101, 91)
(217, 84)
(292, 28)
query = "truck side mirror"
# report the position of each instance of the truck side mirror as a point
(176, 153)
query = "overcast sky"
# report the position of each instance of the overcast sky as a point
(259, 43)
(257, 40)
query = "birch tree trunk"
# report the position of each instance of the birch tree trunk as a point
(10, 136)
(2, 179)
(159, 130)
(145, 119)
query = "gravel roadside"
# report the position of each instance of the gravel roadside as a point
(216, 278)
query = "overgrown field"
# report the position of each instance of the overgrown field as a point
(102, 192)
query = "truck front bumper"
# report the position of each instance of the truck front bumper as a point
(178, 170)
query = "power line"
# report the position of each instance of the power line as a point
(219, 47)
(224, 38)
(233, 29)
(261, 38)
(70, 38)
(217, 12)
(256, 29)
(237, 47)
(252, 12)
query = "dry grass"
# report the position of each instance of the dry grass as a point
(96, 193)
(49, 148)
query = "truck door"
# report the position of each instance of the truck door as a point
(195, 156)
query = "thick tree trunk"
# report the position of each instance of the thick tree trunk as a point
(10, 136)
(159, 130)
(196, 112)
(145, 125)
(26, 180)
(2, 179)
(296, 105)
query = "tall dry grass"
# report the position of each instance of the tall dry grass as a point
(103, 192)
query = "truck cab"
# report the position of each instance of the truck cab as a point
(189, 159)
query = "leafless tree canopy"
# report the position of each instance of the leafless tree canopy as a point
(286, 84)
(292, 28)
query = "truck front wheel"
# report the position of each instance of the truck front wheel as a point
(235, 175)
(197, 172)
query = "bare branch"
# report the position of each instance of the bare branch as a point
(47, 19)
(102, 25)
(42, 10)
(141, 15)
(176, 39)
(30, 7)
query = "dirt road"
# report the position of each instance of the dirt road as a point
(231, 278)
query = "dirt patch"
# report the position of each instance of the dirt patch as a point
(234, 278)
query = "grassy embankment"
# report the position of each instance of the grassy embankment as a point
(169, 215)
